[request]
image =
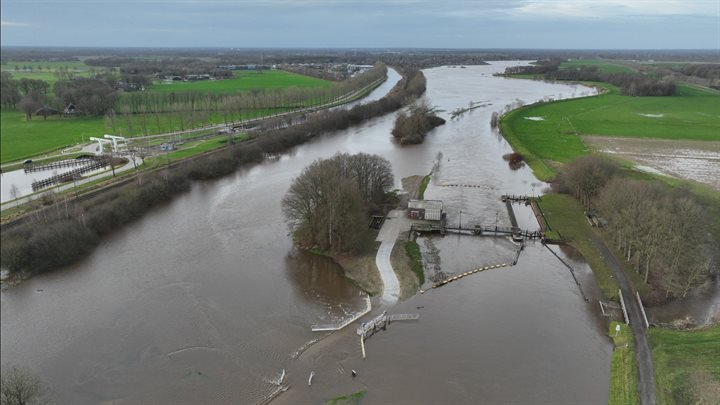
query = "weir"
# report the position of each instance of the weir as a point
(331, 327)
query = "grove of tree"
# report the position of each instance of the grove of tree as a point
(669, 236)
(327, 206)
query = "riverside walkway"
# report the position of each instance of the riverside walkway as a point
(387, 236)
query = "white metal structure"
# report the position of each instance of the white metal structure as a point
(115, 139)
(100, 142)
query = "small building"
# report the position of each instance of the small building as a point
(71, 109)
(45, 111)
(431, 210)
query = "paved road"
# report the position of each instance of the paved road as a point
(388, 234)
(646, 379)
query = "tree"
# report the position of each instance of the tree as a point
(9, 90)
(585, 176)
(20, 387)
(14, 193)
(28, 105)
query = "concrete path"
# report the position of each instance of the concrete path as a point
(646, 379)
(387, 236)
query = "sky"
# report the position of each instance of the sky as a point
(545, 24)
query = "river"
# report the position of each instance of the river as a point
(205, 300)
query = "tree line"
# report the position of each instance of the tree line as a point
(60, 231)
(161, 67)
(668, 236)
(630, 84)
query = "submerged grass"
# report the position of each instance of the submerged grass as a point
(413, 252)
(349, 399)
(623, 369)
(423, 186)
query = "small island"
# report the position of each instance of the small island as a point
(411, 128)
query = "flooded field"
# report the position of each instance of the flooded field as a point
(205, 300)
(691, 160)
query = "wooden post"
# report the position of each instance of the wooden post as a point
(647, 324)
(362, 344)
(622, 302)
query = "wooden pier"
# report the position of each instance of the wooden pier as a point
(381, 322)
(511, 213)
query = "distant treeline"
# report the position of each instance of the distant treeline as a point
(667, 235)
(630, 84)
(706, 71)
(356, 56)
(65, 231)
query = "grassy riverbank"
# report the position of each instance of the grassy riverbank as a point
(554, 134)
(623, 369)
(423, 186)
(687, 365)
(565, 216)
(415, 258)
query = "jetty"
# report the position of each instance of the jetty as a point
(381, 322)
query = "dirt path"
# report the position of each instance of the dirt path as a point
(646, 378)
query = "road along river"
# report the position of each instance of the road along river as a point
(205, 300)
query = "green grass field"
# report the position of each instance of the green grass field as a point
(44, 70)
(687, 365)
(692, 114)
(603, 66)
(244, 81)
(623, 369)
(21, 139)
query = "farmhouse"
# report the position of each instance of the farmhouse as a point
(71, 109)
(431, 210)
(45, 111)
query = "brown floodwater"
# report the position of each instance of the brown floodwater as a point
(205, 300)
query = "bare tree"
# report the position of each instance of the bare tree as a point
(20, 387)
(14, 194)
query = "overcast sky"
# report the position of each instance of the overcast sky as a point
(606, 24)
